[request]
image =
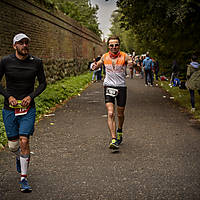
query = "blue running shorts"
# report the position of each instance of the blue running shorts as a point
(16, 126)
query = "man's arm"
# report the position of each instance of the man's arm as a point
(42, 85)
(97, 65)
(11, 99)
(128, 61)
(2, 72)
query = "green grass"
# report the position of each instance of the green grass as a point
(54, 94)
(182, 97)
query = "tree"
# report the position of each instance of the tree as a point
(167, 28)
(80, 10)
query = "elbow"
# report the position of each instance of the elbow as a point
(45, 84)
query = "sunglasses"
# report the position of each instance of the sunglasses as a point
(23, 42)
(114, 45)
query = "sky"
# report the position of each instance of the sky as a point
(104, 14)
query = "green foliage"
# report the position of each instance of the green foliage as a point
(169, 29)
(80, 10)
(53, 95)
(125, 35)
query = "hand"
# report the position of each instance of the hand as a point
(94, 66)
(12, 101)
(26, 101)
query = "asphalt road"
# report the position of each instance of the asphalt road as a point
(159, 158)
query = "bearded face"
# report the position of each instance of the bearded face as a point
(22, 51)
(21, 47)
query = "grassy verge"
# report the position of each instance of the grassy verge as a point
(182, 97)
(53, 95)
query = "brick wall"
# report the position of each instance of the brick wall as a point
(63, 44)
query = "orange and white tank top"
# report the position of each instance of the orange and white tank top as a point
(115, 70)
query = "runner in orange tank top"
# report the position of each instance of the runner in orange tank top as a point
(115, 88)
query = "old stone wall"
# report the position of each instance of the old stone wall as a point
(63, 44)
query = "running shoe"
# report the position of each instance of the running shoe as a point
(25, 187)
(119, 138)
(114, 144)
(18, 165)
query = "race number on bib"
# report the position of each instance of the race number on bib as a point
(111, 92)
(21, 111)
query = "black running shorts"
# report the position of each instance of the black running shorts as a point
(120, 97)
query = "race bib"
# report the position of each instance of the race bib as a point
(21, 111)
(111, 92)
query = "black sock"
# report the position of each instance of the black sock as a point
(119, 130)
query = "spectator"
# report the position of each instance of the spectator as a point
(148, 65)
(141, 66)
(175, 71)
(193, 79)
(99, 70)
(94, 76)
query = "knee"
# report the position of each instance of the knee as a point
(13, 145)
(120, 114)
(111, 114)
(24, 141)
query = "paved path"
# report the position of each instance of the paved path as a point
(159, 159)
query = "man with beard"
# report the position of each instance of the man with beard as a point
(20, 70)
(115, 62)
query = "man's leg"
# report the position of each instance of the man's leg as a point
(151, 76)
(146, 74)
(120, 114)
(192, 100)
(111, 119)
(24, 162)
(24, 156)
(112, 125)
(12, 132)
(15, 148)
(93, 76)
(121, 103)
(26, 129)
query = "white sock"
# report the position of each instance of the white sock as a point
(24, 161)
